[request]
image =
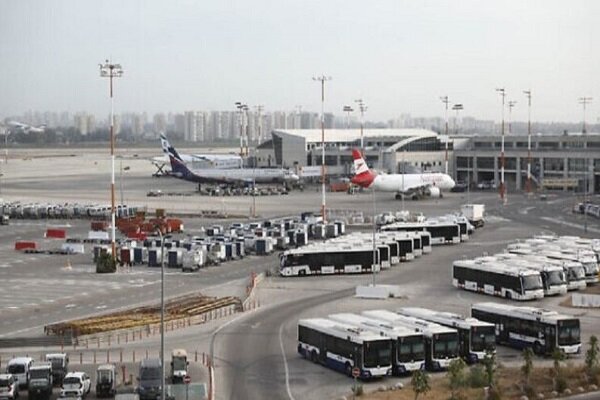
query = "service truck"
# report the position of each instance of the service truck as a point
(474, 213)
(40, 380)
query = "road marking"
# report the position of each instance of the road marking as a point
(526, 210)
(70, 305)
(101, 307)
(285, 365)
(571, 224)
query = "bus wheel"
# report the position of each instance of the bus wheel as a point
(348, 369)
(302, 272)
(537, 348)
(313, 356)
(508, 295)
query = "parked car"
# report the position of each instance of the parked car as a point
(8, 387)
(460, 186)
(76, 384)
(19, 368)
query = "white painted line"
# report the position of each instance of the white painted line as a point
(285, 365)
(571, 224)
(70, 305)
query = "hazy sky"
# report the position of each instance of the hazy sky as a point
(400, 56)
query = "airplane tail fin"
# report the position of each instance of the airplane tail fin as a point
(363, 176)
(178, 167)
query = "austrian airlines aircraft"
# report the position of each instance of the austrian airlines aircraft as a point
(413, 185)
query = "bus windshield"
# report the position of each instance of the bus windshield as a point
(555, 278)
(410, 349)
(377, 353)
(568, 332)
(483, 338)
(576, 273)
(532, 282)
(445, 345)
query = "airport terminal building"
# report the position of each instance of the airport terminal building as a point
(567, 162)
(557, 161)
(385, 149)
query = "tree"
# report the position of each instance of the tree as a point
(420, 383)
(527, 368)
(489, 363)
(592, 364)
(560, 383)
(456, 375)
(105, 264)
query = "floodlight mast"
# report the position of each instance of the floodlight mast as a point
(322, 79)
(110, 71)
(528, 184)
(445, 100)
(502, 93)
(362, 107)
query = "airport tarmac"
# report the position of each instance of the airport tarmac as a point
(255, 353)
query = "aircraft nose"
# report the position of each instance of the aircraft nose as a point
(451, 182)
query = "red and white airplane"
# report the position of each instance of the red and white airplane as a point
(411, 185)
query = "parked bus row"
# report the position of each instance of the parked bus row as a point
(538, 267)
(450, 229)
(355, 253)
(378, 343)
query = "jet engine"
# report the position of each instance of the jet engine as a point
(434, 192)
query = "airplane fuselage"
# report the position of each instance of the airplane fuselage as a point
(403, 183)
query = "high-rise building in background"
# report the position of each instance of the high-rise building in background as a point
(85, 123)
(159, 122)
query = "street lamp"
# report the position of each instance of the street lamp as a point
(110, 70)
(584, 101)
(162, 311)
(445, 100)
(502, 93)
(528, 185)
(240, 108)
(362, 107)
(322, 79)
(348, 110)
(457, 108)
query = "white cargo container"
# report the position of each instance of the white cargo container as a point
(73, 248)
(474, 213)
(98, 235)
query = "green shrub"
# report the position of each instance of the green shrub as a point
(560, 384)
(477, 377)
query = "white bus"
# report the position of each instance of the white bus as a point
(405, 244)
(475, 337)
(408, 346)
(574, 272)
(441, 342)
(497, 279)
(329, 259)
(553, 276)
(441, 232)
(541, 329)
(344, 347)
(588, 262)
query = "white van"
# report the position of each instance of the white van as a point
(19, 368)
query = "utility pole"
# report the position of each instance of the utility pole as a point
(528, 184)
(322, 79)
(362, 107)
(584, 101)
(511, 104)
(502, 184)
(445, 100)
(110, 71)
(348, 110)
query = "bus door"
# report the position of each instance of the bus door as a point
(464, 343)
(428, 352)
(550, 336)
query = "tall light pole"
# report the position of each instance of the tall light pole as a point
(584, 101)
(110, 71)
(240, 108)
(347, 110)
(162, 312)
(511, 104)
(502, 184)
(362, 107)
(322, 79)
(528, 184)
(445, 100)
